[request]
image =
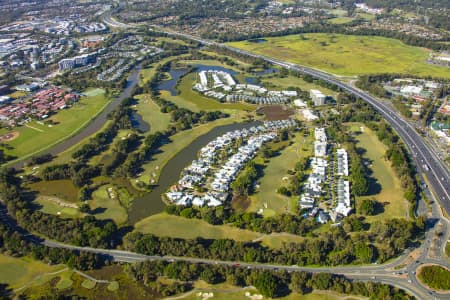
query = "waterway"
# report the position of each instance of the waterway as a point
(151, 203)
(96, 123)
(138, 123)
(176, 74)
(169, 85)
(252, 79)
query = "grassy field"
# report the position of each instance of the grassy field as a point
(62, 189)
(151, 114)
(49, 206)
(391, 193)
(266, 197)
(174, 226)
(194, 101)
(340, 20)
(291, 81)
(19, 272)
(103, 156)
(106, 205)
(66, 156)
(435, 277)
(226, 292)
(147, 73)
(348, 55)
(276, 240)
(35, 136)
(71, 283)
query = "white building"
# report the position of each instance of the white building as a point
(342, 162)
(318, 97)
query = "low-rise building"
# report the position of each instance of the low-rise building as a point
(317, 97)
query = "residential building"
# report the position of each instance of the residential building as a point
(317, 97)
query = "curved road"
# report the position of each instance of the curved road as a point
(399, 273)
(424, 156)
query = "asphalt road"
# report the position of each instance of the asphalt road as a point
(437, 175)
(426, 159)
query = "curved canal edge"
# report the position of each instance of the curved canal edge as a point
(95, 125)
(152, 203)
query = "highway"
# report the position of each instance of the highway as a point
(424, 156)
(400, 273)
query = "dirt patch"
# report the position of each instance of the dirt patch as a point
(9, 136)
(240, 203)
(275, 112)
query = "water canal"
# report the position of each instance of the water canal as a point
(151, 203)
(176, 74)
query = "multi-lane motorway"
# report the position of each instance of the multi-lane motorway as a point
(402, 271)
(425, 158)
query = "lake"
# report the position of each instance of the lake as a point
(176, 74)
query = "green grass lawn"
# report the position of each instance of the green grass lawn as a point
(224, 292)
(65, 281)
(193, 100)
(340, 20)
(151, 114)
(52, 207)
(435, 277)
(62, 189)
(266, 197)
(391, 193)
(292, 81)
(174, 226)
(113, 286)
(108, 207)
(212, 62)
(88, 284)
(276, 240)
(36, 137)
(103, 156)
(147, 73)
(348, 55)
(18, 272)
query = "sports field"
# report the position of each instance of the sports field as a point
(347, 54)
(36, 136)
(389, 191)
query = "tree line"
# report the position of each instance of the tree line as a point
(12, 243)
(270, 283)
(385, 240)
(85, 231)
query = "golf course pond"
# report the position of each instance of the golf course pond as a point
(177, 73)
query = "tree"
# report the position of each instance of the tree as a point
(364, 252)
(209, 276)
(84, 208)
(299, 282)
(368, 207)
(267, 284)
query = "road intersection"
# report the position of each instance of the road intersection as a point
(402, 271)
